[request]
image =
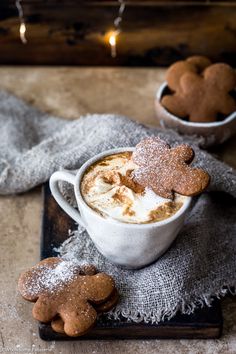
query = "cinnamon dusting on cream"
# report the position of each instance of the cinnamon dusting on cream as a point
(109, 188)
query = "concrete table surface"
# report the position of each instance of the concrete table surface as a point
(69, 93)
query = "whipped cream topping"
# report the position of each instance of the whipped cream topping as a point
(108, 188)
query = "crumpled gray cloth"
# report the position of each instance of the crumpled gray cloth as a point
(200, 264)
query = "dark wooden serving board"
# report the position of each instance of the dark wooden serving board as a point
(204, 323)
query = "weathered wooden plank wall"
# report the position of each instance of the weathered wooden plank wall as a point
(154, 32)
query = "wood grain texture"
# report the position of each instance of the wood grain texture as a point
(204, 323)
(154, 33)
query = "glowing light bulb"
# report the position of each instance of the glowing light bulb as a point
(22, 31)
(112, 36)
(112, 42)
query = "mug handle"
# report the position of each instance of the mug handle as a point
(53, 183)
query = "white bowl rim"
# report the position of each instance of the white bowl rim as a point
(159, 93)
(183, 208)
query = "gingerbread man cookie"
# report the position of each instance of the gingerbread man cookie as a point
(195, 64)
(166, 170)
(61, 289)
(202, 98)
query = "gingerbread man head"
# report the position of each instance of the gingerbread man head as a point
(194, 64)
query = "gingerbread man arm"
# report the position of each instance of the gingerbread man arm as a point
(191, 181)
(175, 105)
(98, 287)
(183, 152)
(227, 104)
(25, 287)
(222, 76)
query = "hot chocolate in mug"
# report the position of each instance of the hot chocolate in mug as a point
(126, 244)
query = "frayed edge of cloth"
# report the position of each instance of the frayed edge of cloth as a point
(183, 307)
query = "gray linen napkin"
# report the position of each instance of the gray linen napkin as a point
(200, 264)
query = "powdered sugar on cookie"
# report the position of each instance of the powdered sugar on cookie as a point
(51, 276)
(166, 170)
(60, 291)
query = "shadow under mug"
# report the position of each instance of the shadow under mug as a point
(128, 245)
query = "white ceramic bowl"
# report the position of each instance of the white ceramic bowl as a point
(212, 133)
(128, 245)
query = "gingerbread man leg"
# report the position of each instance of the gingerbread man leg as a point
(78, 321)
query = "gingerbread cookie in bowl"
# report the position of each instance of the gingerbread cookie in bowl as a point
(198, 98)
(203, 96)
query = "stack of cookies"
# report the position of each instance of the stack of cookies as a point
(67, 295)
(200, 91)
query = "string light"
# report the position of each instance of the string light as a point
(117, 28)
(22, 29)
(112, 42)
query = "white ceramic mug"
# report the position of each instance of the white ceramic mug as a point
(128, 245)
